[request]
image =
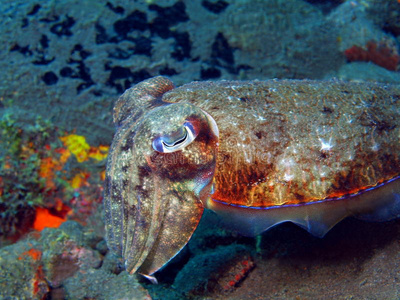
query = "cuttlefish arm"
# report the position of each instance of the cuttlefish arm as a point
(159, 173)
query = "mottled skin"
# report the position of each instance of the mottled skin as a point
(288, 142)
(258, 153)
(146, 192)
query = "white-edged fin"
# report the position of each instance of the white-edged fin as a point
(381, 203)
(387, 212)
(152, 279)
(389, 199)
(316, 219)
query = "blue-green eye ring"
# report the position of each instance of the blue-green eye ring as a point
(175, 141)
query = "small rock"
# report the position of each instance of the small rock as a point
(21, 270)
(100, 284)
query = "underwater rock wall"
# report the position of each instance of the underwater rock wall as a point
(69, 60)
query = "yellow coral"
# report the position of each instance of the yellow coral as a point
(79, 179)
(98, 153)
(77, 145)
(48, 166)
(65, 154)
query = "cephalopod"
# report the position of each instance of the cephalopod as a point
(258, 153)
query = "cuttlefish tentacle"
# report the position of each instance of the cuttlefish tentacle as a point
(154, 195)
(129, 107)
(307, 152)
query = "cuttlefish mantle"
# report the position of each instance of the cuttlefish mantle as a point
(258, 153)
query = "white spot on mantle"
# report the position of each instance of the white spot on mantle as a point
(325, 146)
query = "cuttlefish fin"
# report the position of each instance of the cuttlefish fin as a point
(248, 221)
(388, 206)
(379, 203)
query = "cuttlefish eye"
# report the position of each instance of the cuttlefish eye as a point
(176, 140)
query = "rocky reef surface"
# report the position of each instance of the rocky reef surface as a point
(64, 263)
(76, 57)
(64, 63)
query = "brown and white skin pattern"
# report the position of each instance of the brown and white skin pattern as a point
(258, 153)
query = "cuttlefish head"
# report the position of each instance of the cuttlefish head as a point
(159, 174)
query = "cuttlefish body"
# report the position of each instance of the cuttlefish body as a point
(258, 153)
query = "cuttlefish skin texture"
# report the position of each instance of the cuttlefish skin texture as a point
(258, 153)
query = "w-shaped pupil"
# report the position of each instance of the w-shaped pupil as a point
(181, 140)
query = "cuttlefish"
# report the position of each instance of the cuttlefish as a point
(257, 153)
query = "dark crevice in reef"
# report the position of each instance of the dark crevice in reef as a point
(44, 41)
(167, 71)
(117, 9)
(210, 73)
(143, 46)
(171, 14)
(140, 45)
(34, 10)
(101, 34)
(136, 20)
(50, 78)
(68, 72)
(63, 27)
(215, 7)
(40, 53)
(222, 54)
(182, 46)
(82, 53)
(326, 6)
(79, 69)
(119, 53)
(51, 19)
(25, 23)
(25, 51)
(133, 27)
(167, 17)
(41, 59)
(76, 66)
(122, 78)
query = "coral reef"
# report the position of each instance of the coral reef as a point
(45, 177)
(380, 54)
(62, 263)
(217, 271)
(76, 56)
(22, 188)
(65, 62)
